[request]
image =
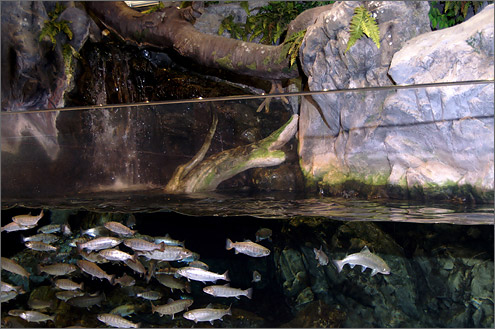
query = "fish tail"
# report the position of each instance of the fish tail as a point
(228, 245)
(188, 287)
(339, 264)
(153, 307)
(138, 325)
(229, 310)
(249, 293)
(226, 276)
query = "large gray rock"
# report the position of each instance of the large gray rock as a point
(408, 138)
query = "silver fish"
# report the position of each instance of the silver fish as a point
(143, 245)
(8, 287)
(172, 307)
(366, 259)
(40, 246)
(263, 233)
(93, 257)
(75, 241)
(169, 241)
(200, 264)
(87, 300)
(8, 295)
(248, 248)
(227, 291)
(256, 276)
(114, 320)
(321, 256)
(96, 231)
(51, 228)
(68, 294)
(119, 228)
(94, 270)
(150, 295)
(198, 274)
(57, 269)
(13, 226)
(116, 254)
(27, 220)
(136, 266)
(173, 283)
(12, 266)
(66, 284)
(103, 242)
(41, 237)
(125, 281)
(40, 304)
(124, 310)
(35, 316)
(169, 253)
(206, 314)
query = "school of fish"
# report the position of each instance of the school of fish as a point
(102, 244)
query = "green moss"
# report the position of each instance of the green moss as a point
(252, 66)
(226, 62)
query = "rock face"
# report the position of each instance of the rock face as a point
(410, 138)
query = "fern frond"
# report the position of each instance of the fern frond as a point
(362, 23)
(372, 30)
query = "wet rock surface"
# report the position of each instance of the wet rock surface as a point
(406, 143)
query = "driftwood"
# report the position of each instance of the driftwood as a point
(173, 28)
(200, 175)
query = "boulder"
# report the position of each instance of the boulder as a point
(398, 143)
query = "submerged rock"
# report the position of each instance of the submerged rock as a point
(317, 314)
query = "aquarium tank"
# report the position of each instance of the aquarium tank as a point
(247, 164)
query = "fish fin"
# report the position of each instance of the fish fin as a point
(249, 293)
(82, 286)
(209, 305)
(316, 253)
(170, 300)
(338, 264)
(138, 325)
(373, 272)
(247, 240)
(365, 250)
(227, 285)
(352, 265)
(172, 316)
(363, 268)
(226, 276)
(153, 307)
(228, 244)
(167, 235)
(229, 310)
(211, 322)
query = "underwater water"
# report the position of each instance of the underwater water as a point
(440, 259)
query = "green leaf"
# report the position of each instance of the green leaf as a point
(245, 5)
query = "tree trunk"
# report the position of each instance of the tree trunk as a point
(173, 28)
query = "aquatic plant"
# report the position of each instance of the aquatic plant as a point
(363, 23)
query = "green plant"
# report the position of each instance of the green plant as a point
(270, 22)
(154, 8)
(52, 27)
(454, 12)
(290, 47)
(363, 23)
